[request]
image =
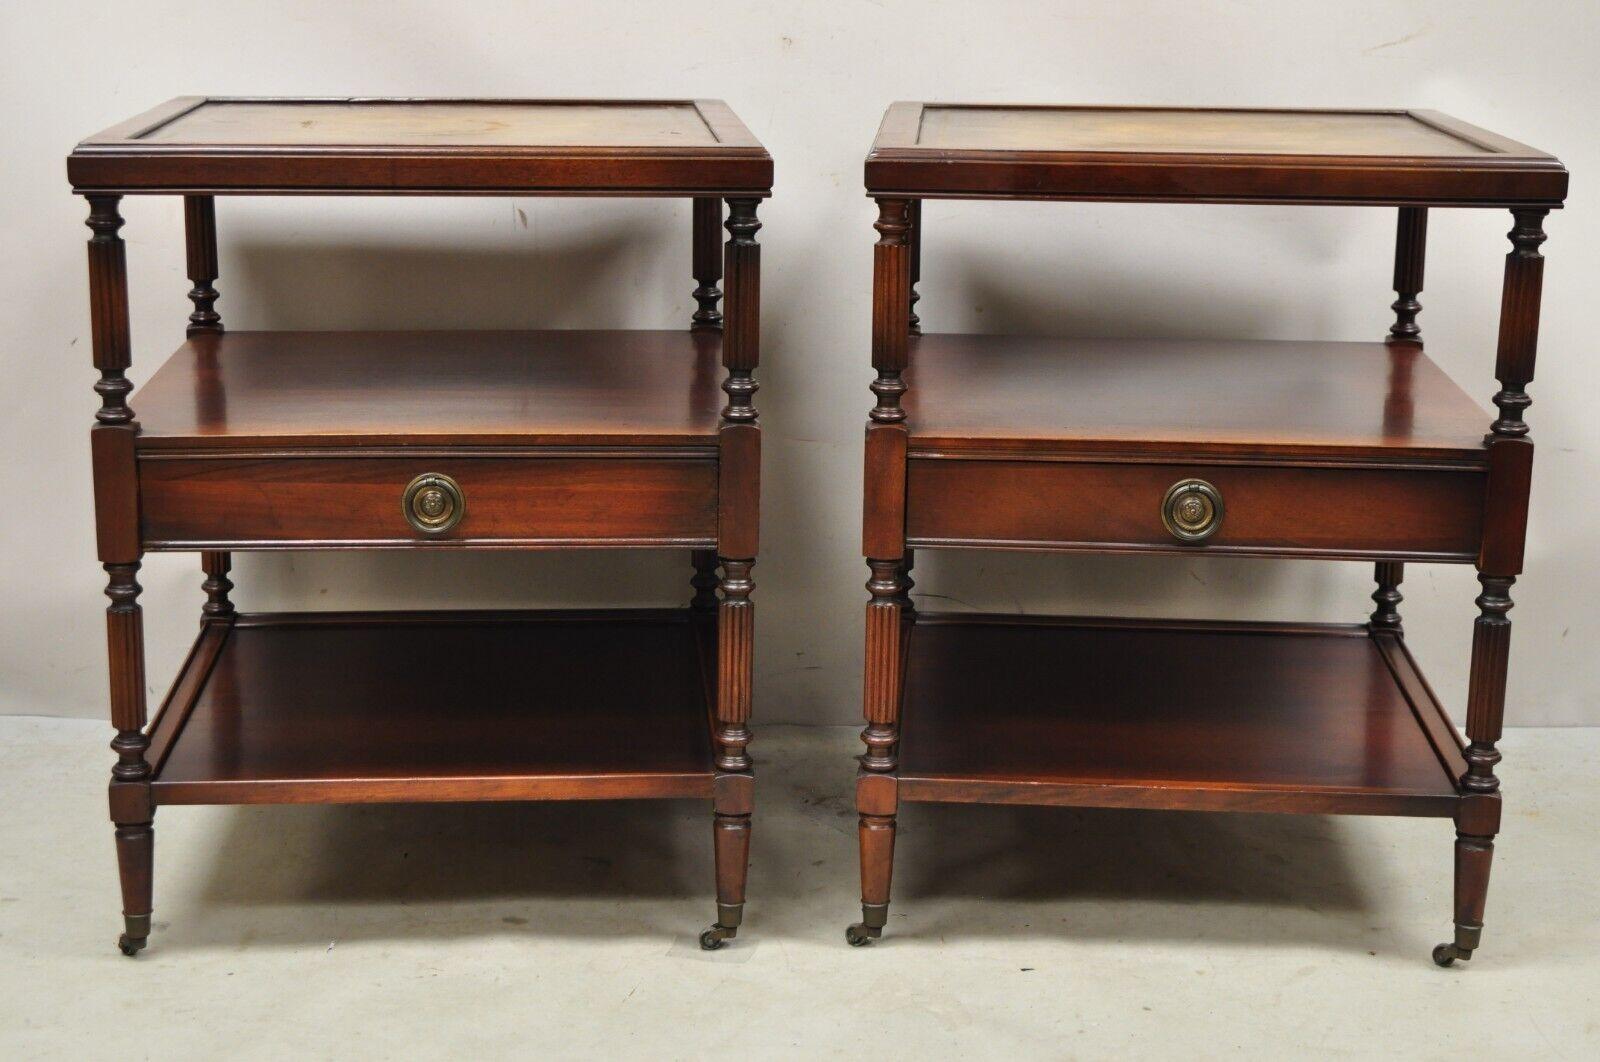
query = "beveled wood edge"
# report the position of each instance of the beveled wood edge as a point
(473, 617)
(191, 679)
(726, 126)
(254, 545)
(713, 191)
(237, 447)
(1441, 733)
(1177, 796)
(1441, 202)
(621, 785)
(904, 117)
(1484, 138)
(146, 122)
(732, 135)
(738, 166)
(1156, 623)
(1179, 549)
(1398, 459)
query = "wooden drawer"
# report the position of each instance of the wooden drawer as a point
(1434, 513)
(189, 501)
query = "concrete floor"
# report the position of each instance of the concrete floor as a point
(490, 931)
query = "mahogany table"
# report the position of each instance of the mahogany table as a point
(1267, 449)
(432, 440)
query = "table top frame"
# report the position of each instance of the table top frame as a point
(1504, 174)
(123, 160)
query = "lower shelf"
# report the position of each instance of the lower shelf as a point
(1210, 716)
(350, 708)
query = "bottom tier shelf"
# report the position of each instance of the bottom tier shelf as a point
(379, 707)
(1209, 716)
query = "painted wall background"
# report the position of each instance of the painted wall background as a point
(811, 79)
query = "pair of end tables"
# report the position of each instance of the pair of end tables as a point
(608, 439)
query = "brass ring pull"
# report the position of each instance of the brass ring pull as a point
(1192, 510)
(433, 503)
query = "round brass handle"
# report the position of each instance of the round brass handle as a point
(433, 503)
(1192, 510)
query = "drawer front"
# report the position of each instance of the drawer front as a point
(196, 502)
(1312, 511)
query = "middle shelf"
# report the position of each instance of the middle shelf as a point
(560, 387)
(1215, 397)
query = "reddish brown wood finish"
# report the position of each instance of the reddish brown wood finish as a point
(1333, 450)
(345, 389)
(200, 228)
(310, 440)
(1410, 254)
(319, 708)
(1268, 399)
(637, 498)
(1296, 718)
(1286, 510)
(1151, 154)
(321, 146)
(739, 515)
(707, 264)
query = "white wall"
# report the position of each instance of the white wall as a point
(811, 79)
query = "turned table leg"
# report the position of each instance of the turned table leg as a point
(1499, 563)
(889, 611)
(117, 541)
(738, 501)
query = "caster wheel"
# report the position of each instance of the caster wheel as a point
(710, 941)
(1447, 954)
(859, 935)
(130, 946)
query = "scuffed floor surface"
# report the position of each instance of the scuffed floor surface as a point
(568, 931)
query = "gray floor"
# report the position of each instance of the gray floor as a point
(568, 931)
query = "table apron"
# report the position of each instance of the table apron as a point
(1355, 512)
(273, 502)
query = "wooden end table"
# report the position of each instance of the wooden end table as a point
(1270, 449)
(432, 440)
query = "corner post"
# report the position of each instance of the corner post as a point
(116, 495)
(883, 544)
(738, 517)
(1500, 556)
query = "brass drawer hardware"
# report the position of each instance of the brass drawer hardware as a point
(1192, 510)
(433, 503)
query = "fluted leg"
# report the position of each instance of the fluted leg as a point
(734, 785)
(131, 808)
(877, 801)
(200, 229)
(1478, 819)
(1410, 252)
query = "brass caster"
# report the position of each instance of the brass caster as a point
(717, 936)
(1447, 954)
(861, 934)
(130, 946)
